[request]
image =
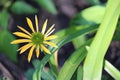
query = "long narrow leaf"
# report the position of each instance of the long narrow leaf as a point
(94, 60)
(112, 70)
(72, 63)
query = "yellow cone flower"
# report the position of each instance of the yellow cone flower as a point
(36, 40)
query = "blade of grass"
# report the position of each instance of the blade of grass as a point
(112, 70)
(94, 60)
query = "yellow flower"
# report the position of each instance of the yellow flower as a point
(36, 40)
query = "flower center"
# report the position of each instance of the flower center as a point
(37, 38)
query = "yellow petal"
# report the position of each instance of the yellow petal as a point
(50, 29)
(20, 41)
(25, 47)
(30, 53)
(50, 32)
(20, 34)
(37, 51)
(45, 49)
(24, 30)
(50, 37)
(30, 24)
(36, 22)
(44, 26)
(51, 44)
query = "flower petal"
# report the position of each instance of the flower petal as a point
(30, 53)
(50, 29)
(44, 26)
(25, 47)
(24, 30)
(51, 44)
(50, 37)
(37, 51)
(50, 32)
(30, 24)
(20, 34)
(36, 22)
(20, 41)
(45, 49)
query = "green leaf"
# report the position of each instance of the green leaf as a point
(5, 46)
(61, 34)
(71, 30)
(60, 43)
(38, 72)
(20, 7)
(48, 5)
(77, 42)
(46, 75)
(90, 16)
(4, 18)
(94, 60)
(80, 73)
(112, 70)
(72, 63)
(54, 64)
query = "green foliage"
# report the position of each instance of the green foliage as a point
(85, 22)
(60, 43)
(90, 16)
(80, 73)
(48, 5)
(21, 7)
(48, 74)
(94, 60)
(82, 18)
(77, 42)
(71, 64)
(5, 46)
(54, 65)
(87, 17)
(91, 69)
(4, 18)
